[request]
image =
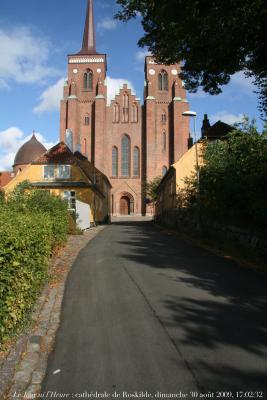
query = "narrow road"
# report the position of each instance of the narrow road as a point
(146, 311)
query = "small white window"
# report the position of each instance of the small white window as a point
(49, 171)
(63, 172)
(71, 199)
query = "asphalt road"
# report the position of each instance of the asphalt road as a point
(146, 311)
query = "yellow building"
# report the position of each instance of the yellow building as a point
(174, 180)
(72, 177)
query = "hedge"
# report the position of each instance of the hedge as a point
(32, 224)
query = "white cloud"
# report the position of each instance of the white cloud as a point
(11, 140)
(140, 55)
(226, 117)
(108, 24)
(114, 86)
(50, 98)
(245, 84)
(24, 57)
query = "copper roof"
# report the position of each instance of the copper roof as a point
(29, 151)
(88, 46)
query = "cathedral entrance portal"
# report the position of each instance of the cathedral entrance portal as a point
(126, 204)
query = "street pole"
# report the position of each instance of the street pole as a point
(197, 164)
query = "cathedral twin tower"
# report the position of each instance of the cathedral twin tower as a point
(129, 142)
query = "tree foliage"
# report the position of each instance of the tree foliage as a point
(212, 38)
(233, 180)
(151, 189)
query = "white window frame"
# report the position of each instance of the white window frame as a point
(64, 167)
(54, 170)
(70, 197)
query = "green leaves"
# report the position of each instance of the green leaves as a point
(233, 180)
(32, 224)
(212, 39)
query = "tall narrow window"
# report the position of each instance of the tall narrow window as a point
(136, 162)
(164, 170)
(125, 156)
(69, 139)
(86, 120)
(163, 117)
(163, 80)
(134, 113)
(88, 79)
(164, 141)
(116, 113)
(114, 161)
(125, 109)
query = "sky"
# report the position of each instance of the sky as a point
(35, 38)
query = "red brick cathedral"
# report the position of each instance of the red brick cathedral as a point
(132, 143)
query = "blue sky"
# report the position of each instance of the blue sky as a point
(36, 36)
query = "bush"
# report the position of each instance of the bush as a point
(25, 247)
(233, 180)
(72, 227)
(24, 199)
(33, 223)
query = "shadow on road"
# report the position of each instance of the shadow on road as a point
(220, 307)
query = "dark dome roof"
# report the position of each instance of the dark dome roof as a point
(29, 151)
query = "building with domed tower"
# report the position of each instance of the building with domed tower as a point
(129, 142)
(27, 153)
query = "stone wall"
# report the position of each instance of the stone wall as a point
(204, 228)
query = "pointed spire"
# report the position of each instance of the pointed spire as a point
(205, 125)
(88, 46)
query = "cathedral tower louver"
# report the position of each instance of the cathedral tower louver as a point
(130, 142)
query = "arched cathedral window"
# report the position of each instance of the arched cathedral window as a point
(136, 161)
(88, 79)
(125, 156)
(163, 80)
(69, 139)
(114, 161)
(163, 140)
(86, 120)
(163, 117)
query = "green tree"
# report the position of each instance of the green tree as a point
(233, 180)
(212, 38)
(151, 189)
(2, 197)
